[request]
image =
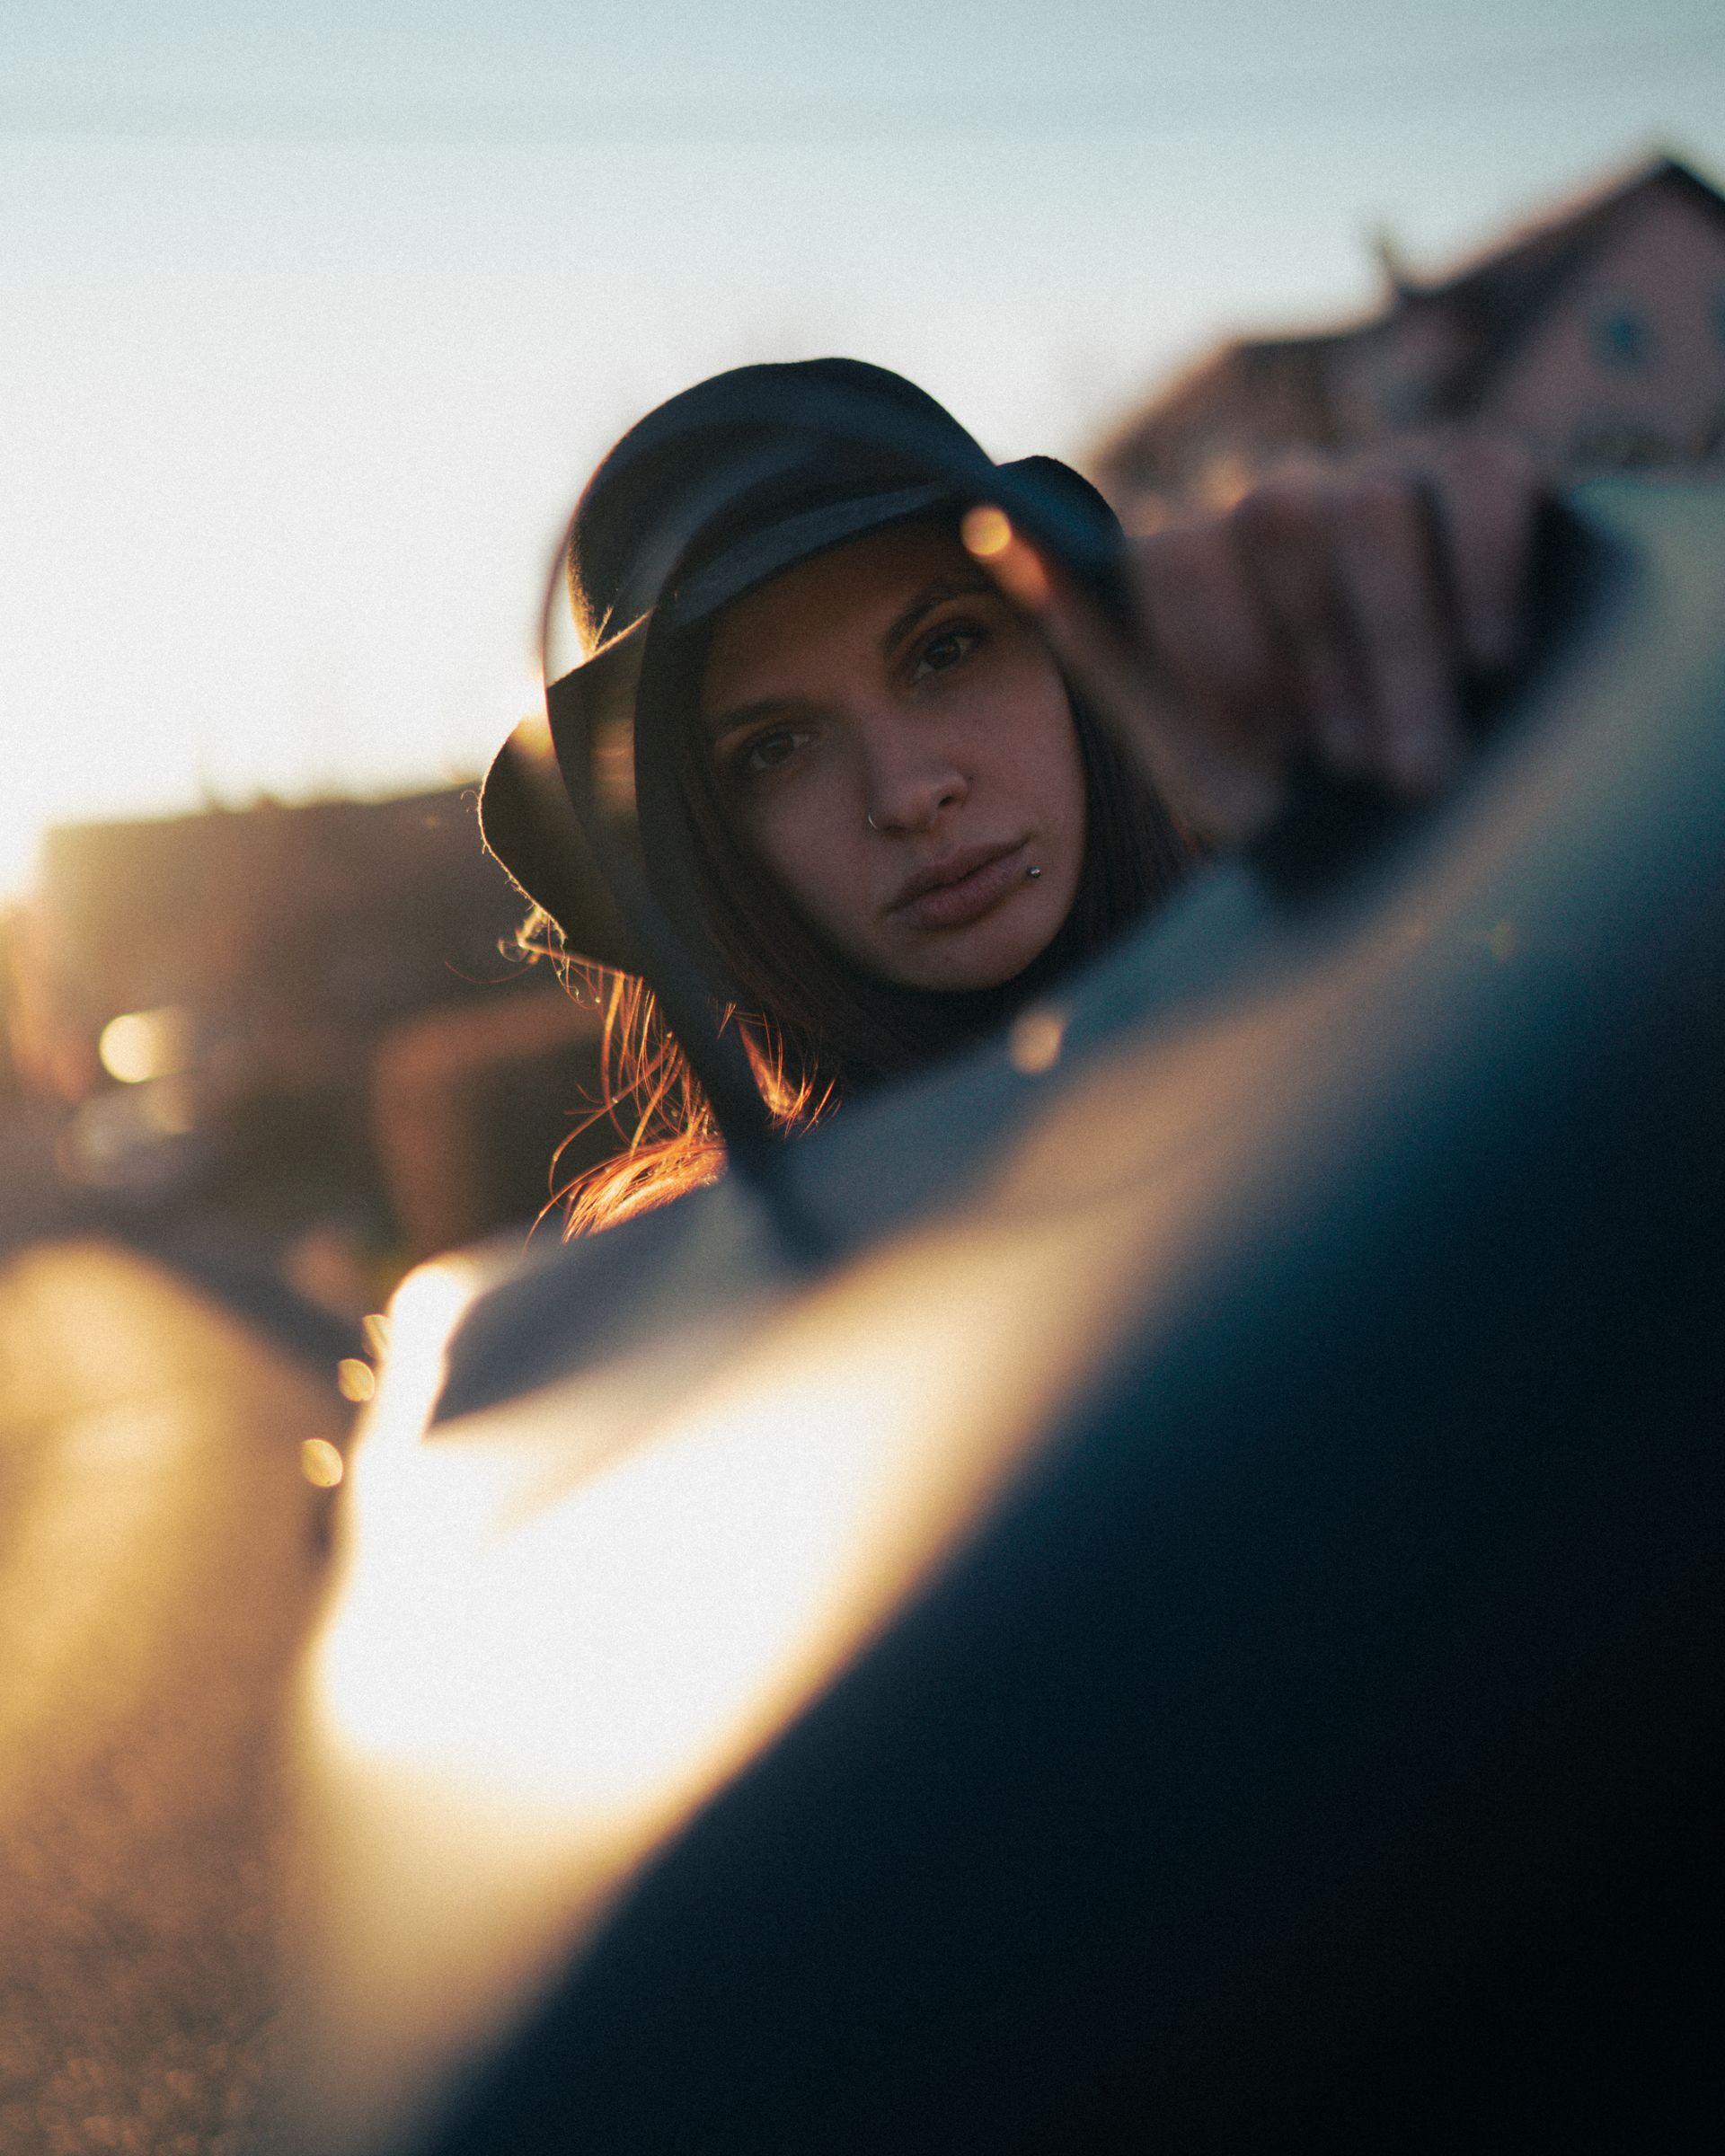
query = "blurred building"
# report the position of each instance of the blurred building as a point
(1596, 334)
(481, 1111)
(11, 937)
(213, 996)
(286, 934)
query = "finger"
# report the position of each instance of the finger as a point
(1215, 735)
(1485, 493)
(1090, 648)
(1214, 636)
(1387, 570)
(1122, 681)
(1282, 533)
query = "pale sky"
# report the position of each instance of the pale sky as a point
(311, 326)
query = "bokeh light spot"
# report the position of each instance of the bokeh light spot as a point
(1502, 940)
(141, 1045)
(320, 1463)
(1036, 1041)
(355, 1380)
(986, 530)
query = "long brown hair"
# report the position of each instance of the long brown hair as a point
(818, 1029)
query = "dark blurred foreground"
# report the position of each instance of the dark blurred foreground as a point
(1188, 1618)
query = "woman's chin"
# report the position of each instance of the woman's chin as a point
(970, 960)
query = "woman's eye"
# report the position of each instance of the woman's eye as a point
(946, 648)
(765, 754)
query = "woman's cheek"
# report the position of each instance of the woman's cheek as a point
(810, 860)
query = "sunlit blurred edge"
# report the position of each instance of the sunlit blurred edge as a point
(924, 1371)
(544, 1671)
(1075, 1223)
(1491, 833)
(544, 1699)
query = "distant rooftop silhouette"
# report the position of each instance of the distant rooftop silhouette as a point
(1596, 332)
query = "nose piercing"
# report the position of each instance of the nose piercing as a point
(869, 819)
(1030, 874)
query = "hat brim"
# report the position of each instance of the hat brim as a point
(528, 802)
(756, 559)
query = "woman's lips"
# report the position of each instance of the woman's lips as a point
(967, 896)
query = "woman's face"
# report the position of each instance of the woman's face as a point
(895, 744)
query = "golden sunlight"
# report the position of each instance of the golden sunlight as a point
(18, 838)
(673, 1602)
(564, 1623)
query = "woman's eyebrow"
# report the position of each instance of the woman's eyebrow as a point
(930, 596)
(718, 724)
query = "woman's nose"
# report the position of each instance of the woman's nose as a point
(909, 791)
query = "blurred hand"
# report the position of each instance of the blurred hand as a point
(1333, 615)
